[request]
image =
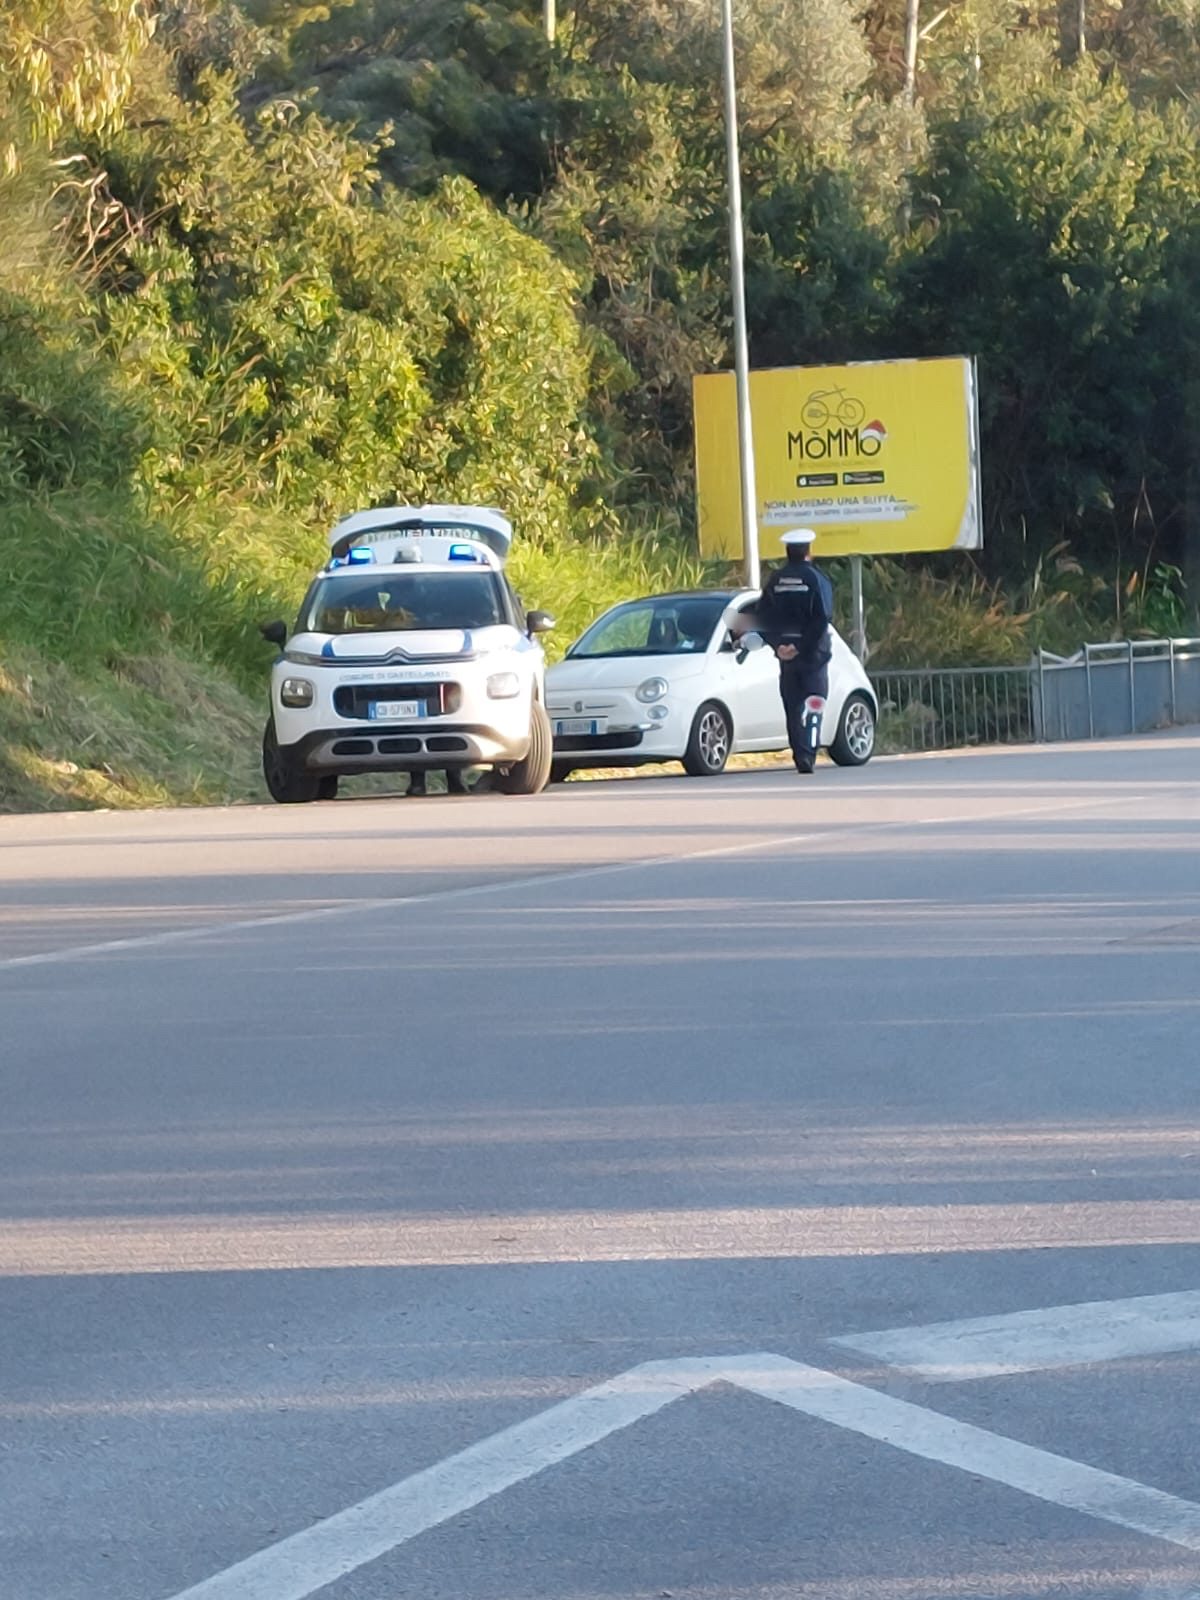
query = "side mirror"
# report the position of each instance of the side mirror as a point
(539, 621)
(274, 632)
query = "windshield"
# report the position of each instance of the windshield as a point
(402, 601)
(670, 625)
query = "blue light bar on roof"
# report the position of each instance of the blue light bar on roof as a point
(462, 552)
(361, 555)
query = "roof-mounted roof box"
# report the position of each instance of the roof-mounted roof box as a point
(394, 525)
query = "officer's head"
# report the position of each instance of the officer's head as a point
(798, 543)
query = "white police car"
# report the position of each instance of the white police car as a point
(410, 652)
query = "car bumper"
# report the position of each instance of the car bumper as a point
(621, 746)
(406, 747)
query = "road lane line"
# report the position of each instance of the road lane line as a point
(307, 1561)
(210, 930)
(936, 1437)
(103, 1245)
(1032, 1341)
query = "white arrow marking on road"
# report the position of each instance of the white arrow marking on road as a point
(1030, 1341)
(307, 1561)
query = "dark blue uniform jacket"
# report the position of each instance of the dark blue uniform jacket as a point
(797, 608)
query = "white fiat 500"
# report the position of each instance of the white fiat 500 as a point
(660, 679)
(411, 651)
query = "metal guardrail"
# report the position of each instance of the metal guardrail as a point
(943, 708)
(1131, 686)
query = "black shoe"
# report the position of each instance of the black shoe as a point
(805, 772)
(416, 784)
(456, 783)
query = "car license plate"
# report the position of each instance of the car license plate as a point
(572, 725)
(395, 710)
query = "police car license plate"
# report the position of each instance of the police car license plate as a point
(395, 710)
(579, 725)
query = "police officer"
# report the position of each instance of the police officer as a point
(793, 616)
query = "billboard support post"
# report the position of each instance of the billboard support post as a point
(858, 615)
(737, 287)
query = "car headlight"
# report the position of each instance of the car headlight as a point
(652, 689)
(296, 692)
(503, 685)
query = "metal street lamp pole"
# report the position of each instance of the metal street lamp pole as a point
(737, 284)
(548, 17)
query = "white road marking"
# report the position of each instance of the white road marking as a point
(279, 1241)
(308, 1561)
(935, 1437)
(210, 930)
(1030, 1341)
(299, 1566)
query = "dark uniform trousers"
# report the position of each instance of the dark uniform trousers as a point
(798, 679)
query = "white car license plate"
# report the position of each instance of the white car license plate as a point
(579, 725)
(395, 710)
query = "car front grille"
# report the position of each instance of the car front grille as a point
(580, 708)
(354, 699)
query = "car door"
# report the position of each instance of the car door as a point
(760, 692)
(754, 693)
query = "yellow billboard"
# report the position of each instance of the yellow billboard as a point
(880, 457)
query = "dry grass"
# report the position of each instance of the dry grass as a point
(154, 731)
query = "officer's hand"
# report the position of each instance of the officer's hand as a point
(787, 652)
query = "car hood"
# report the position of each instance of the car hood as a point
(623, 672)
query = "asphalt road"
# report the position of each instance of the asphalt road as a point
(337, 1139)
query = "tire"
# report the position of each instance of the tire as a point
(531, 774)
(560, 771)
(709, 742)
(287, 783)
(855, 742)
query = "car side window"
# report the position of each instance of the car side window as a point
(746, 609)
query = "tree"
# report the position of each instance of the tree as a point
(69, 68)
(1045, 256)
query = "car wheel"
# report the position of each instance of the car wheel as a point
(709, 742)
(286, 782)
(532, 774)
(855, 742)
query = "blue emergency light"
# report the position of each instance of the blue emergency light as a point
(462, 552)
(361, 555)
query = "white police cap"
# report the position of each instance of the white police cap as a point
(798, 536)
